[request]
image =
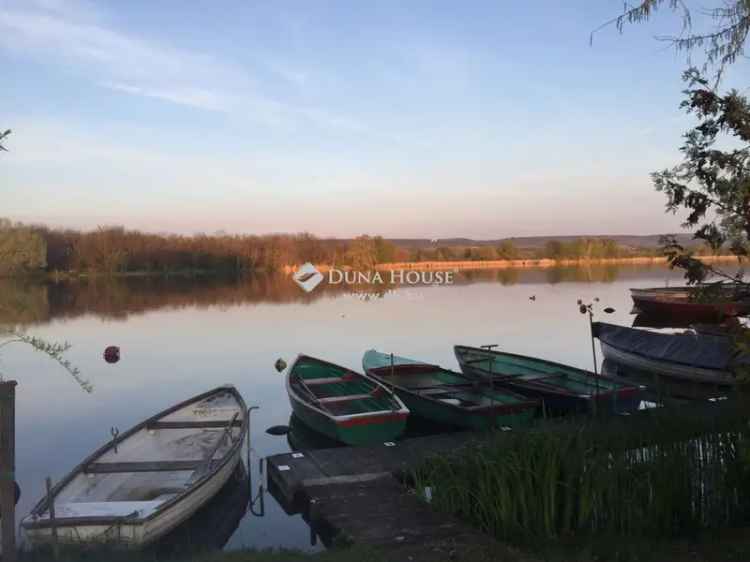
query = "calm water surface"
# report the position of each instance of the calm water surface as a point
(181, 337)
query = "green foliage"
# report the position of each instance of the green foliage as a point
(508, 251)
(582, 249)
(22, 250)
(385, 251)
(553, 249)
(682, 475)
(722, 45)
(362, 253)
(53, 350)
(711, 184)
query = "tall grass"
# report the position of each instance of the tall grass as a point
(663, 475)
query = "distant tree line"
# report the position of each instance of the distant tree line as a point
(27, 249)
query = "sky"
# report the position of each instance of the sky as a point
(432, 119)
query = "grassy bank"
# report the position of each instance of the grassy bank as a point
(412, 553)
(724, 546)
(675, 477)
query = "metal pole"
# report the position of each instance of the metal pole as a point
(8, 469)
(593, 345)
(593, 351)
(393, 376)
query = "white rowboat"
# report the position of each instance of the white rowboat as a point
(148, 480)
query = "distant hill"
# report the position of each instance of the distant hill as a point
(536, 242)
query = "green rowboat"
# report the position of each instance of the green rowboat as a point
(342, 404)
(448, 397)
(562, 388)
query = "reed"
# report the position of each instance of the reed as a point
(664, 476)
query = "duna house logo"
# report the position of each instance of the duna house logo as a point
(307, 277)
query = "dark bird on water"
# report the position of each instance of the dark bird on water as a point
(278, 430)
(532, 298)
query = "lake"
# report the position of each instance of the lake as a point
(179, 337)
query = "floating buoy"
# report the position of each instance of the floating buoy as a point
(112, 354)
(278, 430)
(280, 364)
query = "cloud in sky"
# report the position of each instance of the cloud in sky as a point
(78, 34)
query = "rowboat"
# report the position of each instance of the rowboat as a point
(690, 356)
(727, 300)
(342, 404)
(448, 397)
(562, 388)
(148, 480)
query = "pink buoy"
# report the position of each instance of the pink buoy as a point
(112, 354)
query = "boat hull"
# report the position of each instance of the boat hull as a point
(444, 414)
(146, 482)
(356, 431)
(555, 401)
(447, 397)
(676, 302)
(140, 533)
(665, 368)
(371, 412)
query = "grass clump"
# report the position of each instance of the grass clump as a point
(666, 474)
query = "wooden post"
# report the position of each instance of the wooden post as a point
(52, 518)
(8, 469)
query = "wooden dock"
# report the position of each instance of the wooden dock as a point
(294, 473)
(354, 495)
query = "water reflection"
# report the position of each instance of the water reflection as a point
(211, 527)
(28, 302)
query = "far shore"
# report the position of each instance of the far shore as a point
(513, 264)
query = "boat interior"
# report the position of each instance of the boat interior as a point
(444, 385)
(338, 391)
(156, 463)
(539, 373)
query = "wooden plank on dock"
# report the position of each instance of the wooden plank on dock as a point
(292, 473)
(384, 514)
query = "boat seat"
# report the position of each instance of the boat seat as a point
(348, 398)
(444, 390)
(153, 466)
(327, 380)
(104, 509)
(206, 424)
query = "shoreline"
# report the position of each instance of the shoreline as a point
(457, 265)
(466, 265)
